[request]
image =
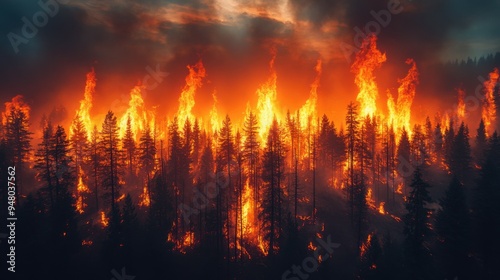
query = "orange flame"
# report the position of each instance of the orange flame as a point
(81, 189)
(86, 104)
(186, 100)
(399, 189)
(400, 112)
(183, 243)
(266, 108)
(140, 117)
(17, 103)
(104, 219)
(248, 211)
(122, 197)
(365, 245)
(214, 116)
(87, 242)
(381, 208)
(489, 107)
(369, 199)
(367, 60)
(144, 197)
(308, 111)
(461, 104)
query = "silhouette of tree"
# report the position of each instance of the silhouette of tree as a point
(460, 161)
(18, 139)
(416, 227)
(147, 154)
(129, 148)
(273, 164)
(487, 212)
(111, 158)
(452, 227)
(352, 139)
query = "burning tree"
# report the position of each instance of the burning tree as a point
(273, 200)
(110, 174)
(17, 135)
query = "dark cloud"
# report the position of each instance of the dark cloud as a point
(121, 38)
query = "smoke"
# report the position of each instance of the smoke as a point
(233, 38)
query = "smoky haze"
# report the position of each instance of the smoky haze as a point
(235, 40)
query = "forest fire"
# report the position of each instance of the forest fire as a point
(489, 108)
(364, 247)
(400, 111)
(308, 112)
(461, 104)
(186, 100)
(183, 243)
(104, 220)
(86, 104)
(144, 198)
(17, 103)
(381, 208)
(266, 108)
(82, 189)
(367, 60)
(254, 153)
(139, 116)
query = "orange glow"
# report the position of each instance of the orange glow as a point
(309, 111)
(461, 104)
(17, 103)
(140, 117)
(489, 107)
(266, 108)
(250, 220)
(400, 111)
(183, 243)
(367, 60)
(369, 199)
(381, 208)
(399, 190)
(214, 116)
(104, 219)
(122, 197)
(144, 197)
(365, 245)
(186, 100)
(311, 246)
(86, 103)
(81, 189)
(248, 211)
(87, 242)
(263, 245)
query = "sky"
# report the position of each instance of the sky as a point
(121, 39)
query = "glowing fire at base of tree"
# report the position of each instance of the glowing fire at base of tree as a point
(183, 243)
(104, 219)
(364, 247)
(381, 208)
(144, 197)
(81, 190)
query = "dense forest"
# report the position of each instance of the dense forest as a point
(231, 204)
(278, 196)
